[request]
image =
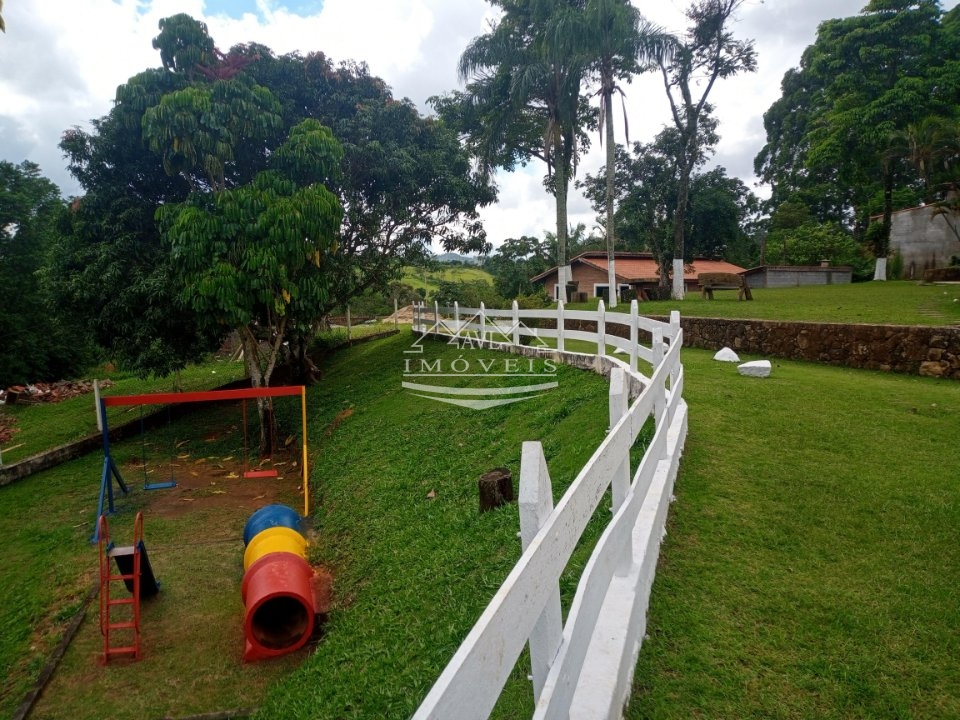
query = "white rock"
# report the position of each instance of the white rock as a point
(756, 368)
(726, 355)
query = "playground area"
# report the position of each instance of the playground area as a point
(209, 482)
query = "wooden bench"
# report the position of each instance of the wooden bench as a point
(724, 281)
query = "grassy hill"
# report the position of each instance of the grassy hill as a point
(430, 281)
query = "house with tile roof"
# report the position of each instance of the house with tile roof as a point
(636, 275)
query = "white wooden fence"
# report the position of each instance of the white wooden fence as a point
(582, 668)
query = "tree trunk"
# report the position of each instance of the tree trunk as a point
(560, 189)
(883, 243)
(679, 221)
(611, 237)
(495, 488)
(260, 378)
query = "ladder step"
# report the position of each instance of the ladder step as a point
(122, 626)
(120, 577)
(122, 650)
(121, 601)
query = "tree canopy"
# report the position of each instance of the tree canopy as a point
(856, 120)
(37, 343)
(245, 152)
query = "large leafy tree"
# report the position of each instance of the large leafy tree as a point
(706, 53)
(619, 43)
(523, 96)
(847, 131)
(249, 258)
(37, 343)
(404, 181)
(208, 123)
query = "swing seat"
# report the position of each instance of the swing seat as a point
(160, 485)
(260, 473)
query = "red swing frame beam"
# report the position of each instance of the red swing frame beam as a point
(217, 395)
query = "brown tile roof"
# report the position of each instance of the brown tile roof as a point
(641, 267)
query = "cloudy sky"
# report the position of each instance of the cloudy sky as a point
(62, 60)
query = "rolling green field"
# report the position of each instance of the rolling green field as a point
(430, 281)
(808, 571)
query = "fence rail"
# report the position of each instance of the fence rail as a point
(582, 668)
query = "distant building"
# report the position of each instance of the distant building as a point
(636, 275)
(780, 276)
(925, 240)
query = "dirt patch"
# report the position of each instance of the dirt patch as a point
(215, 482)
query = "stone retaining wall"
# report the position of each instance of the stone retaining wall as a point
(910, 349)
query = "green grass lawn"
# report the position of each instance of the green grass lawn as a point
(811, 562)
(893, 302)
(809, 569)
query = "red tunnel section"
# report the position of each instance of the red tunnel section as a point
(278, 585)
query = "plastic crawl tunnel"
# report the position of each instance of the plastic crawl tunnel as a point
(277, 588)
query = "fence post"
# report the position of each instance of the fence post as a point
(675, 324)
(436, 315)
(560, 325)
(456, 317)
(634, 333)
(348, 323)
(536, 504)
(601, 329)
(96, 406)
(483, 324)
(516, 323)
(657, 360)
(619, 401)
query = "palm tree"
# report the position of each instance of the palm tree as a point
(530, 64)
(621, 42)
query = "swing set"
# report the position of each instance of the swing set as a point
(111, 472)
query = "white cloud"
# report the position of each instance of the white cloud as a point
(62, 62)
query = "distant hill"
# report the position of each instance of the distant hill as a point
(452, 257)
(429, 281)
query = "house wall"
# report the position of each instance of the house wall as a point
(924, 240)
(588, 277)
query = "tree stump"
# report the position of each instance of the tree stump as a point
(496, 488)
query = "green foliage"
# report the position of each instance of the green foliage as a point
(404, 182)
(722, 211)
(215, 122)
(198, 131)
(523, 94)
(515, 262)
(250, 258)
(37, 343)
(810, 243)
(895, 267)
(468, 293)
(851, 124)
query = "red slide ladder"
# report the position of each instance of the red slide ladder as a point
(128, 626)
